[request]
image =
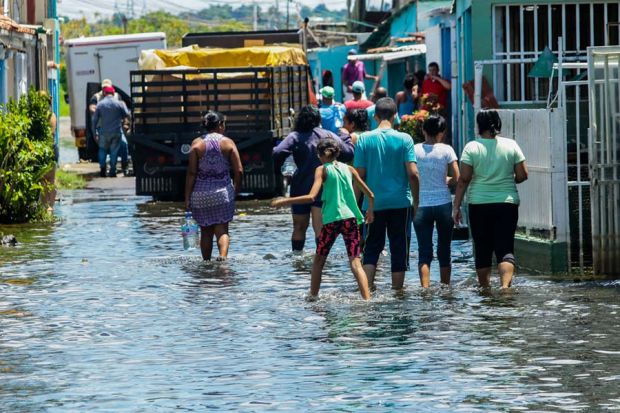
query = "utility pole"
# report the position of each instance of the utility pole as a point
(277, 15)
(255, 16)
(130, 9)
(288, 14)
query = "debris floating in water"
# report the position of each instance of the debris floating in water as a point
(8, 241)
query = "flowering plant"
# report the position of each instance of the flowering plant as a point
(412, 124)
(430, 103)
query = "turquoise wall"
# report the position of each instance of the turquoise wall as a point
(330, 59)
(405, 22)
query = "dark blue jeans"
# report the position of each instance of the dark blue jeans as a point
(109, 144)
(426, 218)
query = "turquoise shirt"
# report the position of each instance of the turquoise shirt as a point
(338, 198)
(384, 154)
(493, 161)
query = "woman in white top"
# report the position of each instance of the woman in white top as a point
(437, 163)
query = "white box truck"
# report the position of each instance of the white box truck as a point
(92, 59)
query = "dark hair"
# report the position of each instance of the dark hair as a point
(328, 147)
(385, 108)
(359, 117)
(309, 118)
(380, 92)
(410, 82)
(489, 120)
(420, 75)
(434, 125)
(327, 78)
(433, 64)
(212, 120)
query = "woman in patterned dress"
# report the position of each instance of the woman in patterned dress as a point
(209, 190)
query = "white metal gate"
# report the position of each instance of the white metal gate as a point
(539, 133)
(604, 157)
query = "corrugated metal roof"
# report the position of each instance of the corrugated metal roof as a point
(394, 54)
(8, 24)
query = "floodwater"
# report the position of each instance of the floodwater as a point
(103, 312)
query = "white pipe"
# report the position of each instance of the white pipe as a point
(478, 87)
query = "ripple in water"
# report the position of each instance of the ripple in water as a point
(102, 311)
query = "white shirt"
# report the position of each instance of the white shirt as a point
(433, 161)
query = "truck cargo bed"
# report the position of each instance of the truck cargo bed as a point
(168, 105)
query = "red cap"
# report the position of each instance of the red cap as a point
(109, 89)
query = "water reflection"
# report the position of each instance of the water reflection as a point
(103, 311)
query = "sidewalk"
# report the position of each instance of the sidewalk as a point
(89, 170)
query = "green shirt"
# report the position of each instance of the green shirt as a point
(493, 161)
(338, 197)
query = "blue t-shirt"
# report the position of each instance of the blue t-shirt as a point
(373, 122)
(384, 153)
(332, 117)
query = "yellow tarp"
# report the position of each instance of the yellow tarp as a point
(196, 57)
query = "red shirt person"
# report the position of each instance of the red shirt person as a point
(433, 83)
(358, 101)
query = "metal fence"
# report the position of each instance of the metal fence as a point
(604, 157)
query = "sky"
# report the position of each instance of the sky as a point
(88, 8)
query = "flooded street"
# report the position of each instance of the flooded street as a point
(103, 312)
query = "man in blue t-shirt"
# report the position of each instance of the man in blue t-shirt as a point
(332, 113)
(385, 159)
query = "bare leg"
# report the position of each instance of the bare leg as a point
(506, 271)
(300, 225)
(206, 242)
(317, 220)
(425, 275)
(370, 271)
(398, 280)
(360, 277)
(317, 273)
(445, 273)
(484, 276)
(223, 240)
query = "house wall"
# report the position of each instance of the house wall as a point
(330, 59)
(405, 22)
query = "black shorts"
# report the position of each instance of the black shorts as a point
(493, 229)
(395, 223)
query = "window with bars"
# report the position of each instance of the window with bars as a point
(521, 33)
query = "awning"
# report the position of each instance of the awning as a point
(397, 54)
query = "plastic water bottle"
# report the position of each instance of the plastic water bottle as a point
(189, 232)
(288, 167)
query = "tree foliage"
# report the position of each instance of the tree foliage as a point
(174, 26)
(26, 156)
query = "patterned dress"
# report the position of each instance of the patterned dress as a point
(213, 197)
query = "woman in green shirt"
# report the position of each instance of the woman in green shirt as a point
(341, 215)
(491, 166)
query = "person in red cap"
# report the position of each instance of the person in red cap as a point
(123, 151)
(108, 128)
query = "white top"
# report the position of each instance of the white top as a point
(433, 161)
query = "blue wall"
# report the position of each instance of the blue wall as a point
(3, 91)
(54, 84)
(330, 59)
(405, 22)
